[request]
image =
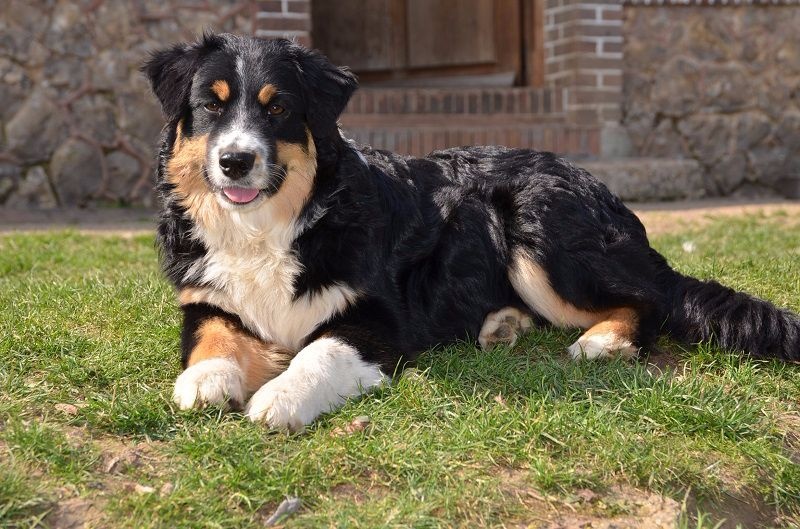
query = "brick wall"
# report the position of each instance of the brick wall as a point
(419, 120)
(284, 18)
(583, 58)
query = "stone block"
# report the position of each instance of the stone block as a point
(76, 172)
(33, 191)
(649, 179)
(33, 133)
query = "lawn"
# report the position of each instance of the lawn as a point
(89, 351)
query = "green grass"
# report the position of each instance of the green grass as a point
(467, 439)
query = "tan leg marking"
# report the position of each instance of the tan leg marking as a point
(503, 326)
(610, 337)
(609, 331)
(258, 360)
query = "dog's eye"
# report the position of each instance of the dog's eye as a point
(275, 110)
(214, 108)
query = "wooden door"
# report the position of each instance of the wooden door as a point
(423, 42)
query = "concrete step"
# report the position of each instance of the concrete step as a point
(649, 179)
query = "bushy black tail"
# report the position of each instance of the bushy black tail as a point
(706, 310)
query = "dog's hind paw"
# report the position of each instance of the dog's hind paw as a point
(212, 381)
(503, 326)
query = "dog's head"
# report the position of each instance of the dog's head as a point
(244, 116)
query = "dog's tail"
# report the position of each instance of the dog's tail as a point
(709, 311)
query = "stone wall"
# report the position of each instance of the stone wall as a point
(78, 125)
(718, 84)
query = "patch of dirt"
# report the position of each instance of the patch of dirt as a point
(75, 513)
(789, 426)
(743, 509)
(668, 218)
(626, 507)
(621, 507)
(369, 489)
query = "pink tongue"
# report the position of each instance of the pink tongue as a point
(241, 195)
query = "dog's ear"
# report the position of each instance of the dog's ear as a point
(170, 72)
(326, 89)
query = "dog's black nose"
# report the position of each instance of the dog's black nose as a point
(236, 165)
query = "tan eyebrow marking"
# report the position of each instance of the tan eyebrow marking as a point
(222, 89)
(266, 93)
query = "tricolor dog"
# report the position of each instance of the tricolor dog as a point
(310, 269)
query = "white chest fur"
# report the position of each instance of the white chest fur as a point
(253, 277)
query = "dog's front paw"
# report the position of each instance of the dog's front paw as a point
(281, 406)
(212, 381)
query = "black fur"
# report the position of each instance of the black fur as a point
(427, 242)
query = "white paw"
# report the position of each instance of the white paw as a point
(319, 379)
(282, 406)
(604, 345)
(503, 326)
(212, 381)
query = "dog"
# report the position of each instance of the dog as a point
(310, 269)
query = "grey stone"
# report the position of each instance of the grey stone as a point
(14, 86)
(642, 179)
(65, 72)
(752, 128)
(729, 173)
(34, 191)
(123, 172)
(139, 113)
(76, 172)
(789, 186)
(615, 142)
(68, 33)
(708, 136)
(767, 163)
(725, 88)
(664, 141)
(9, 179)
(675, 85)
(37, 128)
(109, 70)
(788, 131)
(94, 116)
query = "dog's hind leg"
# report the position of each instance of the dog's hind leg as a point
(610, 331)
(613, 336)
(504, 326)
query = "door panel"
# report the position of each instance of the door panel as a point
(450, 32)
(358, 33)
(405, 42)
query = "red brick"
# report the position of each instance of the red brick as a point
(584, 116)
(588, 96)
(612, 14)
(594, 62)
(299, 6)
(285, 24)
(270, 6)
(593, 30)
(612, 47)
